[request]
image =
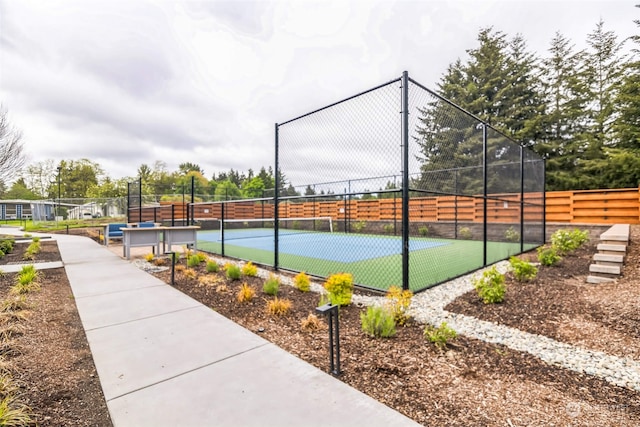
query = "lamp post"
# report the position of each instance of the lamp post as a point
(58, 210)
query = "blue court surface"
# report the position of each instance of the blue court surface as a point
(339, 247)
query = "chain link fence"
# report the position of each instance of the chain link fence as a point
(395, 185)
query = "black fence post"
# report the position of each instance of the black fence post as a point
(140, 202)
(276, 211)
(405, 180)
(484, 193)
(521, 198)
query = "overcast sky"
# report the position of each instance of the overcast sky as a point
(127, 82)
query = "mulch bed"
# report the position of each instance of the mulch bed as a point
(49, 356)
(471, 383)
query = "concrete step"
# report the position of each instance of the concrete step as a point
(612, 249)
(617, 233)
(599, 279)
(607, 269)
(604, 258)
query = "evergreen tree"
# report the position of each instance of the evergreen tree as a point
(564, 121)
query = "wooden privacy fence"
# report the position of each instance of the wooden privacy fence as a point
(578, 206)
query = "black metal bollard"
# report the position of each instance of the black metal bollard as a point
(173, 267)
(331, 311)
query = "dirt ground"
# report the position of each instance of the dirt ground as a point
(471, 383)
(46, 352)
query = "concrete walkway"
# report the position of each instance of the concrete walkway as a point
(164, 359)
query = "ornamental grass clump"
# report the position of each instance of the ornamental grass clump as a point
(279, 307)
(490, 286)
(245, 294)
(32, 250)
(233, 272)
(340, 288)
(212, 267)
(302, 282)
(311, 323)
(271, 285)
(249, 269)
(399, 301)
(13, 413)
(378, 322)
(522, 270)
(26, 281)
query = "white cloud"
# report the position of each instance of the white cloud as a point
(130, 82)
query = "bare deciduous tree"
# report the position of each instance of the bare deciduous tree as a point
(12, 157)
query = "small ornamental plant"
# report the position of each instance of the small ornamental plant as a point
(490, 286)
(249, 270)
(522, 270)
(359, 226)
(311, 323)
(423, 231)
(399, 301)
(279, 307)
(190, 273)
(302, 282)
(465, 233)
(378, 322)
(388, 228)
(548, 256)
(212, 267)
(511, 235)
(245, 294)
(271, 285)
(193, 261)
(340, 288)
(149, 257)
(566, 241)
(233, 272)
(439, 336)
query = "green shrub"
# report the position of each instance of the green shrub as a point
(511, 235)
(548, 256)
(193, 261)
(358, 226)
(378, 322)
(388, 228)
(440, 335)
(399, 301)
(566, 241)
(423, 231)
(324, 300)
(302, 282)
(296, 225)
(271, 285)
(212, 267)
(465, 233)
(522, 270)
(233, 272)
(249, 269)
(490, 286)
(6, 245)
(340, 288)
